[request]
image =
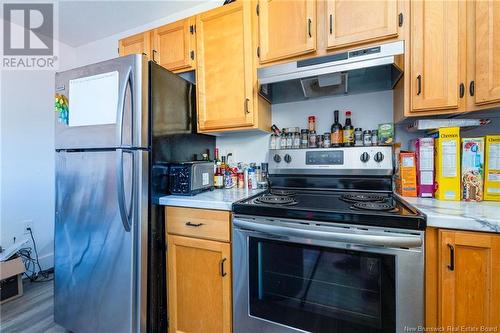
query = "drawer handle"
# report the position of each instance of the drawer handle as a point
(222, 271)
(189, 224)
(451, 266)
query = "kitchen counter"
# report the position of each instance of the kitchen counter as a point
(474, 216)
(216, 199)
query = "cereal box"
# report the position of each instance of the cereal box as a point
(472, 169)
(406, 178)
(492, 168)
(447, 163)
(424, 153)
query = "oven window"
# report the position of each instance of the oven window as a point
(321, 289)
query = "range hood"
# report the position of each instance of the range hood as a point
(351, 72)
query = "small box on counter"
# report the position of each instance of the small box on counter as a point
(424, 154)
(386, 134)
(447, 163)
(472, 169)
(406, 174)
(492, 168)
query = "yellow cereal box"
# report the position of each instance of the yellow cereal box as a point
(447, 159)
(492, 168)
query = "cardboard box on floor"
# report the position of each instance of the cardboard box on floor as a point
(8, 269)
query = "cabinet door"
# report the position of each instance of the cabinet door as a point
(224, 74)
(199, 285)
(487, 85)
(435, 56)
(352, 22)
(173, 45)
(286, 28)
(469, 288)
(140, 43)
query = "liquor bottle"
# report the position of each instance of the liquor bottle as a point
(218, 177)
(336, 136)
(348, 130)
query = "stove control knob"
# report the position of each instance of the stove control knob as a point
(364, 157)
(277, 158)
(288, 158)
(379, 157)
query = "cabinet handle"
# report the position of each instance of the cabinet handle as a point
(309, 22)
(462, 90)
(222, 270)
(154, 52)
(191, 54)
(471, 88)
(331, 24)
(451, 266)
(419, 84)
(189, 224)
(246, 105)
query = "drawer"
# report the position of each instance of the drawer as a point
(199, 223)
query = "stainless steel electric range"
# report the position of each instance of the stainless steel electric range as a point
(328, 248)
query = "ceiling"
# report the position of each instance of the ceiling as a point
(81, 22)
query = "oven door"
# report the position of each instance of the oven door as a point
(293, 277)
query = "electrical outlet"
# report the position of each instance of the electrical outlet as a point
(28, 224)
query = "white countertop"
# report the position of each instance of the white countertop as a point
(216, 199)
(475, 216)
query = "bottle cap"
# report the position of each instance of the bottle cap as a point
(312, 118)
(348, 113)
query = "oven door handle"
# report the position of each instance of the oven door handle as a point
(393, 240)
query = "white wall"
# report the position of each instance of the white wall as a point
(368, 110)
(27, 160)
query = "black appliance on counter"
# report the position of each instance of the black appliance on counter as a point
(328, 248)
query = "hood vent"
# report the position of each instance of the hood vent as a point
(353, 72)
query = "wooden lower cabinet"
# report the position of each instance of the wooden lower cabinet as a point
(462, 279)
(198, 270)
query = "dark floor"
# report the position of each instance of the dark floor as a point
(32, 312)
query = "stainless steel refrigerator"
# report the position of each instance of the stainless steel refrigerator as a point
(119, 123)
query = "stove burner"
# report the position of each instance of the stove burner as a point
(380, 206)
(282, 192)
(277, 200)
(363, 197)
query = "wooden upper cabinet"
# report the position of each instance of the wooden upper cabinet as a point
(140, 43)
(469, 286)
(199, 285)
(287, 28)
(352, 22)
(224, 74)
(487, 51)
(174, 45)
(436, 67)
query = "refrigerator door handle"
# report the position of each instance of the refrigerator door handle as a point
(121, 105)
(125, 212)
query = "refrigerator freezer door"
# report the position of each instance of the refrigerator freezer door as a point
(107, 105)
(100, 249)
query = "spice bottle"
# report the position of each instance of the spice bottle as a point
(312, 123)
